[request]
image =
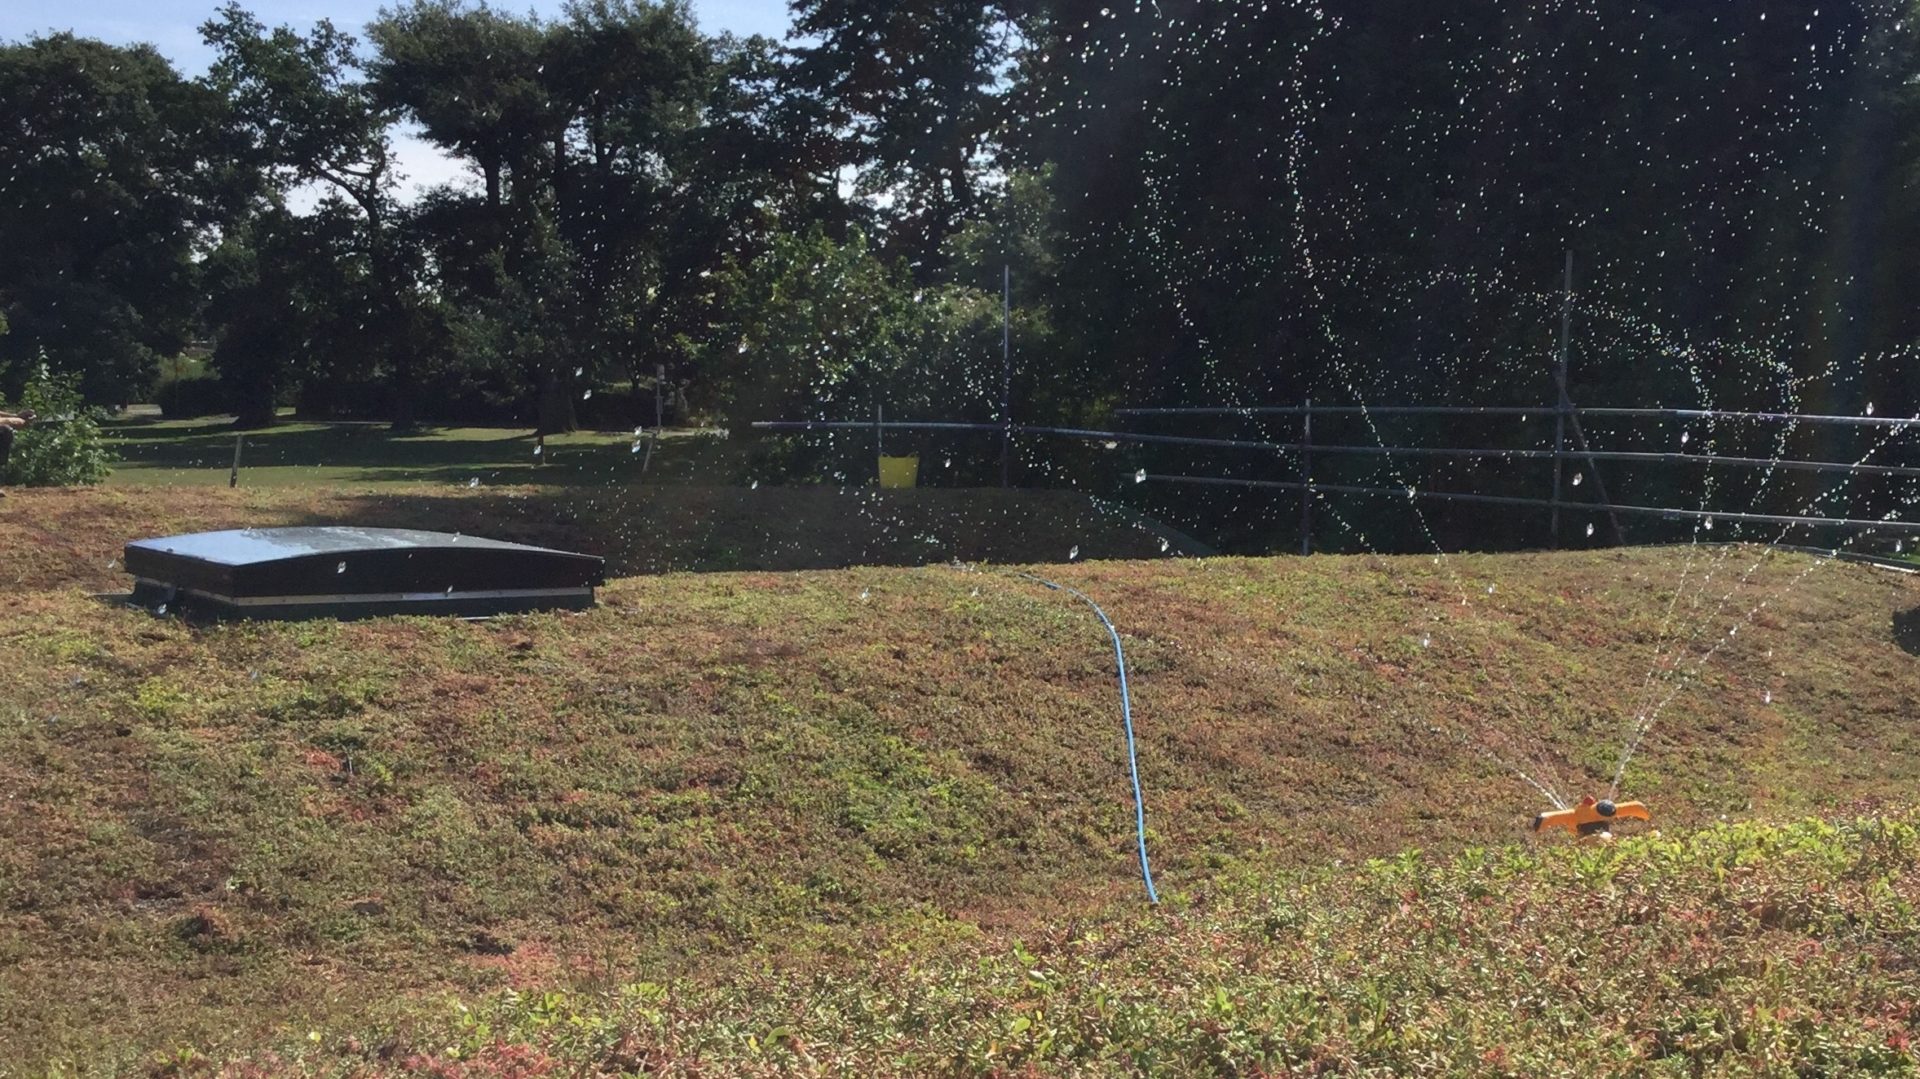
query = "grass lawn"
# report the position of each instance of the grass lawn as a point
(876, 819)
(199, 452)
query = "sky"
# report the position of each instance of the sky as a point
(172, 26)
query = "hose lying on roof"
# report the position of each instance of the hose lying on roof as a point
(1126, 716)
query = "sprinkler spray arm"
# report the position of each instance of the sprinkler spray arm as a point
(1591, 817)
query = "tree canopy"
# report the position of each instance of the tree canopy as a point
(1200, 203)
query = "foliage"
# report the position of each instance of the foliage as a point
(336, 294)
(63, 446)
(192, 397)
(830, 330)
(916, 89)
(1200, 202)
(112, 167)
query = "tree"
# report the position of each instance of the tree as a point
(291, 291)
(914, 90)
(595, 223)
(818, 328)
(472, 77)
(112, 165)
(311, 117)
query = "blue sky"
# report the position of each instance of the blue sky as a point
(172, 26)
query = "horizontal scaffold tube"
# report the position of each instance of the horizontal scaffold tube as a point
(1503, 500)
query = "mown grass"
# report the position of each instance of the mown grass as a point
(821, 809)
(313, 455)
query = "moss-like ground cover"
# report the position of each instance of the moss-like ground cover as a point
(876, 819)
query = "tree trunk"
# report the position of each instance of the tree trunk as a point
(255, 409)
(406, 415)
(490, 168)
(959, 184)
(556, 405)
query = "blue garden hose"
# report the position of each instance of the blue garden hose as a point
(1126, 715)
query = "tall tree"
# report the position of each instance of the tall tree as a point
(914, 89)
(473, 79)
(585, 130)
(311, 118)
(110, 165)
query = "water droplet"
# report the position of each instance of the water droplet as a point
(1140, 476)
(1073, 554)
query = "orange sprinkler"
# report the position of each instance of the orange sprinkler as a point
(1591, 817)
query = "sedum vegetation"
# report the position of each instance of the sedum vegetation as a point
(877, 819)
(1750, 948)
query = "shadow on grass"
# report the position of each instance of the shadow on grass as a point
(1906, 631)
(665, 529)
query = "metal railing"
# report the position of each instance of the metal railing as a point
(1564, 414)
(1304, 450)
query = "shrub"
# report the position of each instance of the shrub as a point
(64, 446)
(192, 397)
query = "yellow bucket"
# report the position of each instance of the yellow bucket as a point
(899, 471)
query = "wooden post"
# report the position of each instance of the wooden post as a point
(233, 477)
(1306, 478)
(1560, 404)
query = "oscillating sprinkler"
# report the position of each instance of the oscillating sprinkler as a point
(1591, 817)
